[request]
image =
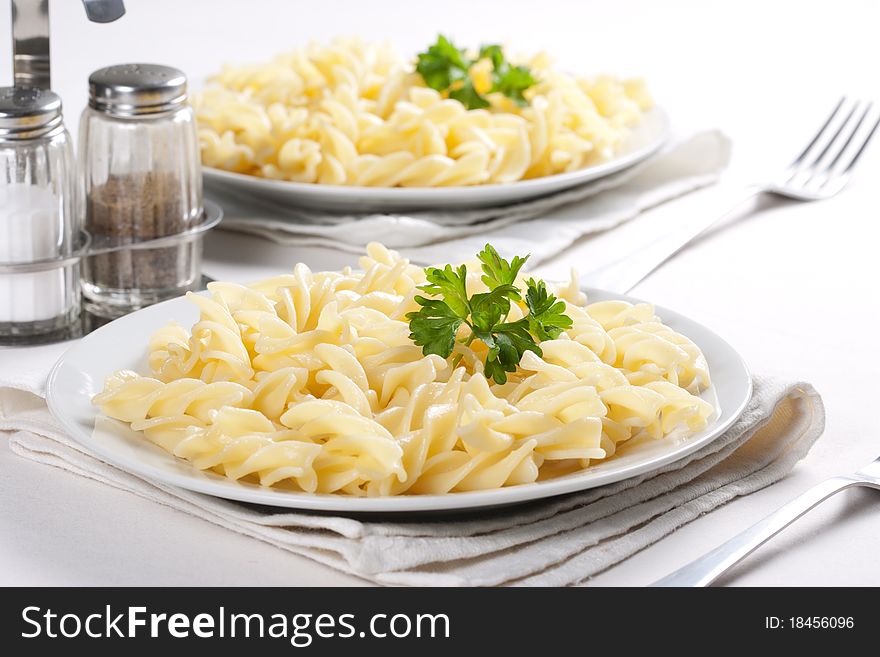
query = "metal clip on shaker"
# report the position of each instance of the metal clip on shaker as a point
(30, 37)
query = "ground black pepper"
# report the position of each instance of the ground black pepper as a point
(134, 208)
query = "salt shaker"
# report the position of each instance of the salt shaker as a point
(40, 240)
(141, 188)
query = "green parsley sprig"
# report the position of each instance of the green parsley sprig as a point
(435, 326)
(446, 68)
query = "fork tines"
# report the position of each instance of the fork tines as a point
(831, 155)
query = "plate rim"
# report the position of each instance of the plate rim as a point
(465, 501)
(421, 196)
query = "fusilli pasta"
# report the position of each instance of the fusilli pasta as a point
(310, 381)
(351, 113)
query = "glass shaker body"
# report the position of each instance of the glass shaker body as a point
(141, 180)
(39, 229)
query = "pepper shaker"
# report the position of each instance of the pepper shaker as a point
(40, 240)
(141, 185)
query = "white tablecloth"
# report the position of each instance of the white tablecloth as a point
(794, 289)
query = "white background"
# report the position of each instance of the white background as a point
(793, 288)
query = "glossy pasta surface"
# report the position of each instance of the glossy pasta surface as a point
(309, 381)
(352, 113)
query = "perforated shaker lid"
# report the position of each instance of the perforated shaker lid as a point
(28, 113)
(137, 89)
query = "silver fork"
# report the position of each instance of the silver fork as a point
(709, 567)
(819, 172)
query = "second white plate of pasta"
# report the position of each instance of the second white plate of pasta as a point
(353, 126)
(306, 391)
(643, 142)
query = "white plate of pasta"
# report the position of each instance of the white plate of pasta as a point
(310, 390)
(352, 126)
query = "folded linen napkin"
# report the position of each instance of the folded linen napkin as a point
(559, 541)
(559, 219)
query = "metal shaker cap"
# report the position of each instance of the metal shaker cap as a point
(28, 113)
(129, 90)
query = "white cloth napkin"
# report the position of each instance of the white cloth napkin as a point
(561, 541)
(542, 227)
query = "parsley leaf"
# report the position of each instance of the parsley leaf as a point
(507, 79)
(452, 284)
(494, 54)
(442, 64)
(468, 96)
(546, 316)
(446, 68)
(487, 309)
(497, 271)
(435, 326)
(512, 81)
(507, 343)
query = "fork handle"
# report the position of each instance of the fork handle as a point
(624, 274)
(709, 567)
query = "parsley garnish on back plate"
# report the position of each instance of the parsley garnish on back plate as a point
(435, 326)
(446, 68)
